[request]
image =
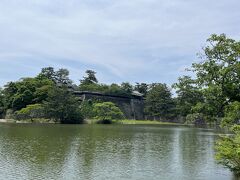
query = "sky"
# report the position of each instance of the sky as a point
(122, 40)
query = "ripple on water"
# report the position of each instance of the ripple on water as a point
(108, 152)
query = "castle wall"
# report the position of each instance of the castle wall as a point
(132, 108)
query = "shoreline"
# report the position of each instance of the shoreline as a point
(95, 122)
(126, 121)
(90, 121)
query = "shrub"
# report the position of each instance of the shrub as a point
(107, 111)
(231, 114)
(30, 112)
(195, 118)
(87, 109)
(228, 150)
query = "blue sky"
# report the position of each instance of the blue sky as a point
(123, 40)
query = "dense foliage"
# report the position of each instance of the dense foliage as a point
(189, 95)
(232, 114)
(61, 105)
(217, 82)
(228, 150)
(32, 111)
(107, 111)
(159, 102)
(45, 96)
(90, 83)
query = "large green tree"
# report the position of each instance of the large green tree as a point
(219, 72)
(47, 73)
(159, 102)
(188, 95)
(60, 77)
(27, 91)
(90, 78)
(62, 106)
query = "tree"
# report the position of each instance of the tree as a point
(231, 114)
(127, 87)
(189, 94)
(62, 77)
(27, 91)
(21, 93)
(62, 106)
(142, 88)
(41, 93)
(219, 72)
(159, 102)
(217, 82)
(87, 109)
(90, 78)
(107, 111)
(228, 150)
(47, 73)
(10, 89)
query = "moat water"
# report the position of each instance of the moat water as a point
(114, 152)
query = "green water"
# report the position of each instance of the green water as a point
(141, 152)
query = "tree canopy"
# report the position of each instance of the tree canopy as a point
(219, 72)
(159, 102)
(61, 105)
(90, 78)
(217, 82)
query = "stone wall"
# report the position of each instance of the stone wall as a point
(132, 107)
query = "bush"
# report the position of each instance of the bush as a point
(195, 118)
(30, 112)
(228, 150)
(87, 109)
(107, 111)
(231, 114)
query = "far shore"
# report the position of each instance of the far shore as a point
(92, 121)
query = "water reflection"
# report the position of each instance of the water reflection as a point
(108, 152)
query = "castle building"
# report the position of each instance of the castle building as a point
(132, 106)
